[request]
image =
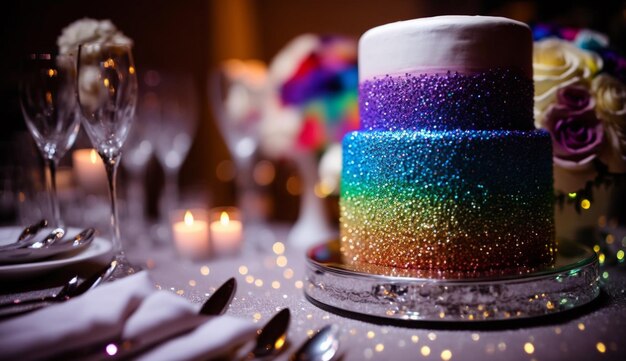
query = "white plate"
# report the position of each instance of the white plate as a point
(99, 248)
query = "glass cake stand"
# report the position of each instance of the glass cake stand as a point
(389, 295)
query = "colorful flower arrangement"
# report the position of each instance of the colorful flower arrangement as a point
(315, 82)
(580, 98)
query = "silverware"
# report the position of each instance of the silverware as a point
(23, 240)
(50, 239)
(272, 338)
(53, 248)
(323, 346)
(32, 230)
(216, 304)
(70, 290)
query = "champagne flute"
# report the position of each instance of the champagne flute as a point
(107, 96)
(168, 101)
(48, 102)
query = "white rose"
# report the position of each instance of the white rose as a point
(88, 30)
(556, 64)
(610, 96)
(91, 90)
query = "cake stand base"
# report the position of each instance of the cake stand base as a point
(389, 294)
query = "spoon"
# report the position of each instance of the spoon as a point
(216, 304)
(323, 346)
(38, 251)
(54, 236)
(272, 337)
(70, 290)
(27, 235)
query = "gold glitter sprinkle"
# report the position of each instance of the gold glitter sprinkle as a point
(204, 270)
(585, 204)
(371, 334)
(288, 273)
(475, 337)
(446, 355)
(620, 255)
(529, 348)
(425, 351)
(379, 347)
(258, 282)
(502, 346)
(249, 279)
(180, 292)
(275, 285)
(581, 326)
(609, 239)
(278, 248)
(299, 284)
(601, 347)
(256, 316)
(415, 338)
(281, 261)
(432, 336)
(192, 283)
(243, 270)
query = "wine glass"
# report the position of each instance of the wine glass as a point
(107, 96)
(48, 101)
(237, 93)
(137, 154)
(168, 102)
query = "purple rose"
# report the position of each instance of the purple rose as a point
(574, 97)
(577, 133)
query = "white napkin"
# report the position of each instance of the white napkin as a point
(130, 308)
(98, 315)
(214, 338)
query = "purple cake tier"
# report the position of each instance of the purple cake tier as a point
(496, 99)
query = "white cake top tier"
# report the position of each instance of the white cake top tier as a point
(442, 43)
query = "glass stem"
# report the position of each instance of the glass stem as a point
(170, 196)
(111, 166)
(51, 184)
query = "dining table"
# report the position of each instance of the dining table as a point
(271, 275)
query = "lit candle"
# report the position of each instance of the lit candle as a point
(226, 231)
(191, 236)
(89, 170)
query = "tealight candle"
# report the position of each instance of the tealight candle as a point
(191, 234)
(89, 170)
(226, 231)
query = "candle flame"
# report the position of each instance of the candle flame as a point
(188, 218)
(93, 156)
(224, 218)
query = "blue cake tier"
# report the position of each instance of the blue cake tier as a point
(461, 200)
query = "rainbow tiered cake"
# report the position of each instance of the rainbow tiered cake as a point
(447, 172)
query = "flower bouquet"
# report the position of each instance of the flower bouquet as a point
(314, 104)
(580, 99)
